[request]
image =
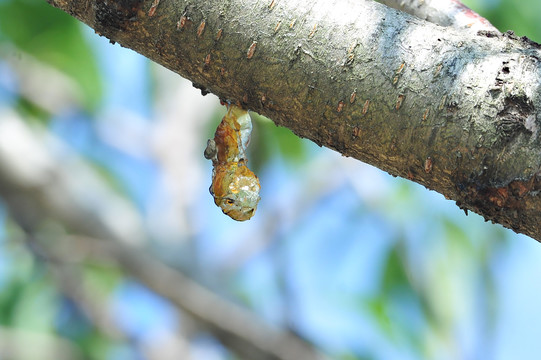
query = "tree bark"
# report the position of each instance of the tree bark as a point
(456, 111)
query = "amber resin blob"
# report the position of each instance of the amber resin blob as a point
(235, 187)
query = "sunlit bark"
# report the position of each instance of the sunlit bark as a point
(454, 110)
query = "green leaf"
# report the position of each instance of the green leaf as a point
(521, 16)
(377, 307)
(269, 140)
(55, 38)
(456, 235)
(395, 278)
(101, 279)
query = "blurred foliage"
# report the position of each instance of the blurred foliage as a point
(52, 37)
(270, 141)
(415, 302)
(520, 16)
(30, 300)
(31, 111)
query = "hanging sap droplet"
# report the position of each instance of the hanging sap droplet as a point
(235, 187)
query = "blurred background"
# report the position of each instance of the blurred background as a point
(103, 181)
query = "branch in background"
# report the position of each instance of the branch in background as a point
(43, 187)
(456, 111)
(66, 267)
(69, 279)
(450, 13)
(22, 344)
(37, 178)
(244, 334)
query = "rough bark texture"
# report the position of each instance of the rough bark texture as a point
(456, 111)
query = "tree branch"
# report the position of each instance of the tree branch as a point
(69, 279)
(246, 335)
(443, 12)
(455, 111)
(23, 344)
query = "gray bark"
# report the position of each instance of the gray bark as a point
(456, 111)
